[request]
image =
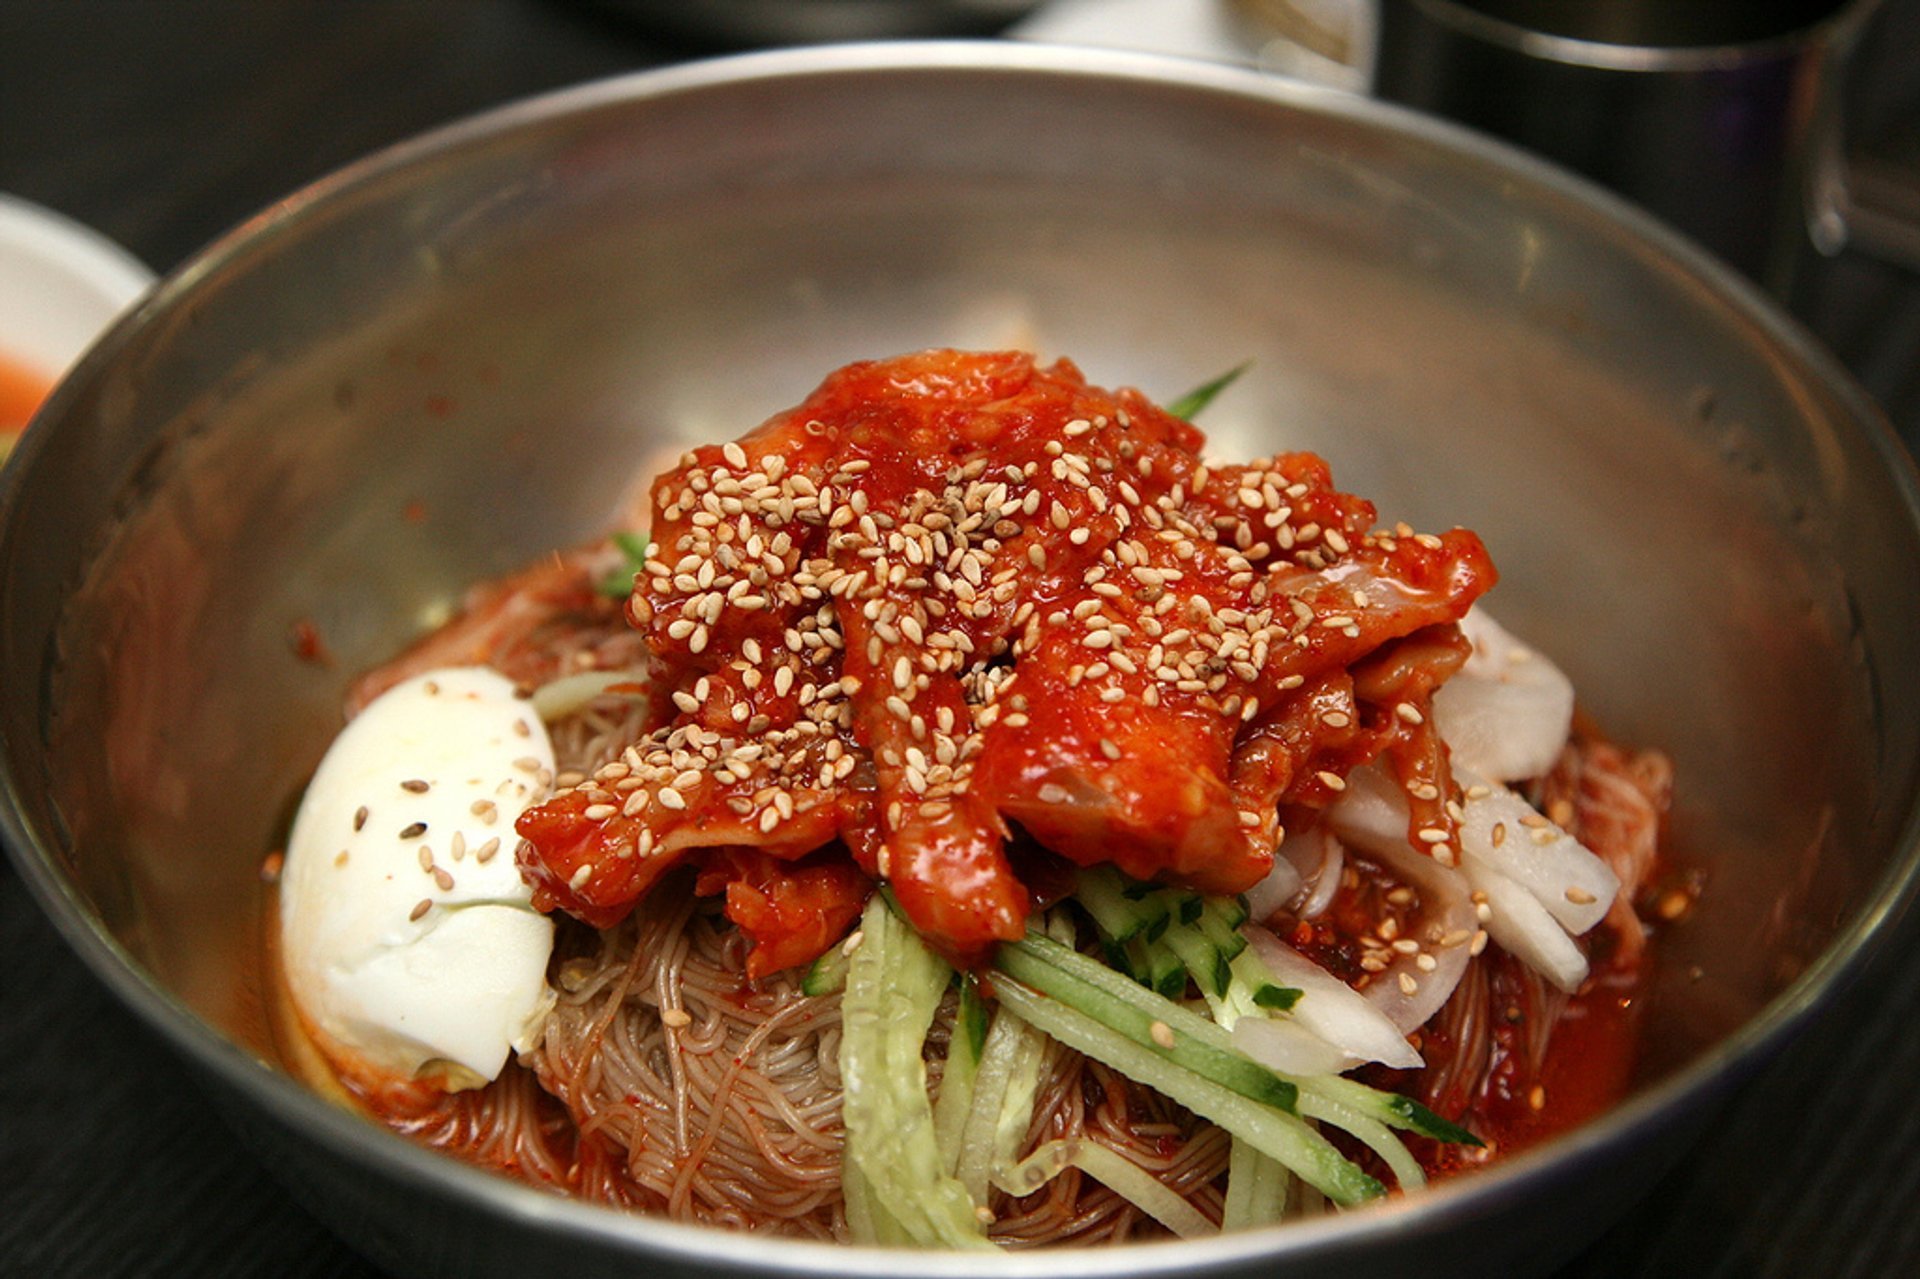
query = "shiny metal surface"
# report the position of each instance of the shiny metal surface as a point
(1718, 117)
(454, 356)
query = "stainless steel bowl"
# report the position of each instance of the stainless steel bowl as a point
(451, 357)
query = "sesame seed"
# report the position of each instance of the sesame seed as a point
(581, 875)
(671, 798)
(1162, 1034)
(420, 908)
(1580, 896)
(413, 831)
(1332, 781)
(485, 852)
(360, 818)
(1408, 985)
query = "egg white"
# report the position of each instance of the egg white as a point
(409, 941)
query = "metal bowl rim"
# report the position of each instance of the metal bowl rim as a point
(1443, 1207)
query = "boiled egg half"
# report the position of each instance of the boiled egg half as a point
(410, 944)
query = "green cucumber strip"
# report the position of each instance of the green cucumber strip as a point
(1377, 1136)
(894, 986)
(827, 975)
(1157, 967)
(1001, 1059)
(1114, 1171)
(1275, 1133)
(955, 1102)
(973, 1016)
(1188, 406)
(1117, 1003)
(1202, 958)
(1104, 893)
(868, 1220)
(1220, 924)
(1389, 1108)
(1256, 1189)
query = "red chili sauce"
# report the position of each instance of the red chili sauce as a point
(951, 595)
(21, 391)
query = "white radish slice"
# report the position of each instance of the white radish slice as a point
(1505, 833)
(1373, 815)
(1283, 1044)
(1326, 881)
(1507, 712)
(1282, 884)
(1522, 925)
(1328, 1007)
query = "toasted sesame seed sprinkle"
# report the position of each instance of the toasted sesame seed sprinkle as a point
(1162, 1034)
(413, 831)
(420, 908)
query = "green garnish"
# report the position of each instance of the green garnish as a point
(618, 583)
(1280, 998)
(1189, 405)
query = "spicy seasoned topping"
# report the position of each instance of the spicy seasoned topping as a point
(951, 595)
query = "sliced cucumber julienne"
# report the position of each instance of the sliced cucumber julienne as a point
(1156, 966)
(1123, 1006)
(1391, 1109)
(973, 1016)
(1256, 1189)
(1202, 959)
(894, 987)
(1012, 1049)
(957, 1079)
(1220, 922)
(1374, 1134)
(1118, 910)
(827, 975)
(1114, 1171)
(1275, 1133)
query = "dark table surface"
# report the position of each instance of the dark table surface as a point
(163, 122)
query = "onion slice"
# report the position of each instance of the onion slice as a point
(1328, 1008)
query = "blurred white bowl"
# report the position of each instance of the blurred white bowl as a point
(61, 284)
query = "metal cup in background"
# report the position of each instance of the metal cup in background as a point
(1720, 116)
